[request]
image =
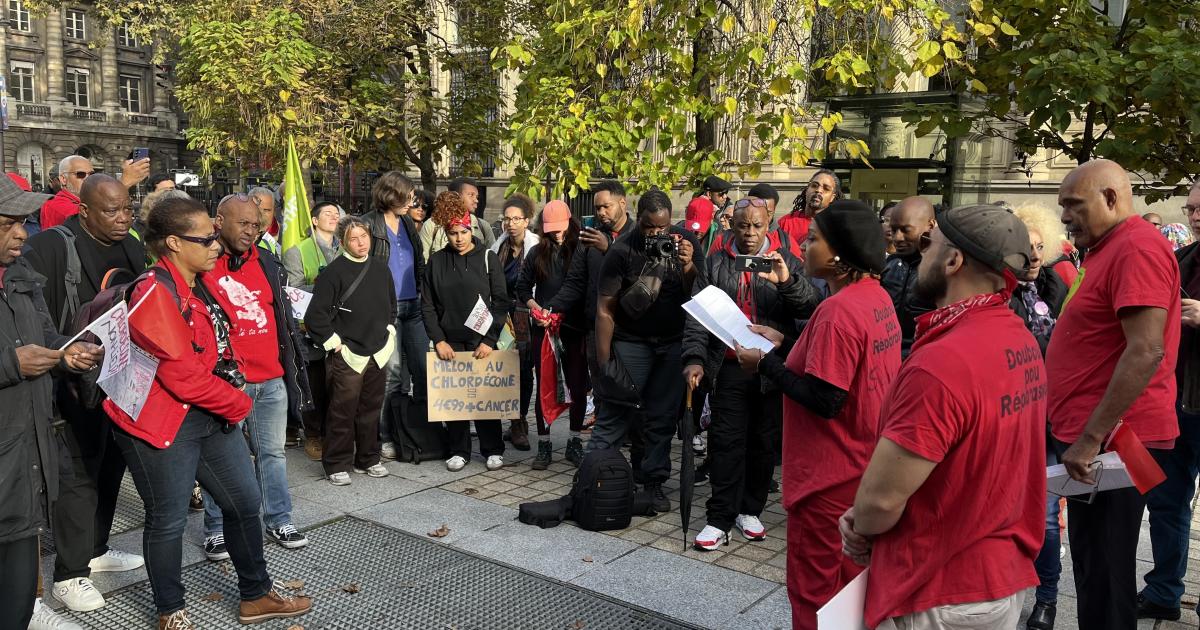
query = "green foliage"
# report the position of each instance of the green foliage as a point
(1068, 77)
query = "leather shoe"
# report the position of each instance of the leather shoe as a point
(1147, 609)
(1042, 617)
(519, 434)
(276, 604)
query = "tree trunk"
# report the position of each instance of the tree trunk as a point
(706, 129)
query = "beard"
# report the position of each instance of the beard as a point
(930, 287)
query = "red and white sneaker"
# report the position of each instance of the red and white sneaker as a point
(750, 526)
(710, 538)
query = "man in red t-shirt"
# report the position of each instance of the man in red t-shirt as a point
(1112, 358)
(248, 282)
(950, 511)
(823, 188)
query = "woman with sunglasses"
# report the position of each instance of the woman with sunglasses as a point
(834, 380)
(185, 430)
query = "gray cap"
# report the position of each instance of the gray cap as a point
(15, 202)
(990, 234)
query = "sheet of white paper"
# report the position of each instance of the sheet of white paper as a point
(113, 330)
(480, 320)
(299, 299)
(128, 388)
(715, 310)
(1113, 477)
(845, 610)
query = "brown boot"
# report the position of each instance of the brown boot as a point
(274, 605)
(520, 435)
(177, 620)
(313, 448)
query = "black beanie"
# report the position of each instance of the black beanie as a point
(764, 191)
(852, 229)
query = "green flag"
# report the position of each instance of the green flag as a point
(296, 214)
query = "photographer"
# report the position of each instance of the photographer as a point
(186, 429)
(645, 280)
(770, 288)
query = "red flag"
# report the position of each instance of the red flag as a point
(157, 322)
(1143, 470)
(548, 382)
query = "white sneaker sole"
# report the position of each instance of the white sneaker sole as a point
(755, 538)
(289, 545)
(724, 540)
(101, 568)
(217, 557)
(77, 607)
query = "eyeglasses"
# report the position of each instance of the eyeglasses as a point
(750, 201)
(1190, 210)
(206, 241)
(511, 220)
(240, 197)
(83, 174)
(8, 223)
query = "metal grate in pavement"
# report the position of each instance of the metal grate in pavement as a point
(129, 515)
(401, 581)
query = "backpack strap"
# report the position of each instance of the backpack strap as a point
(71, 278)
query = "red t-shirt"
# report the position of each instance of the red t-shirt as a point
(851, 342)
(973, 400)
(1131, 266)
(249, 302)
(796, 224)
(58, 208)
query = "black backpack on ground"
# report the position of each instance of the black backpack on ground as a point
(602, 494)
(417, 439)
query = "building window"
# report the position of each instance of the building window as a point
(131, 94)
(127, 39)
(20, 83)
(75, 24)
(18, 16)
(77, 87)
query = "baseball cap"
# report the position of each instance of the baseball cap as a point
(699, 215)
(556, 216)
(712, 182)
(988, 233)
(15, 202)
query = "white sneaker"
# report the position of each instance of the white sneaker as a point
(78, 594)
(750, 526)
(698, 444)
(115, 560)
(44, 618)
(456, 463)
(387, 450)
(710, 538)
(340, 479)
(495, 462)
(378, 470)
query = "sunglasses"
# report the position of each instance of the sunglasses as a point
(206, 241)
(238, 196)
(83, 174)
(750, 201)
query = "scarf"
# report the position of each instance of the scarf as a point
(464, 220)
(935, 323)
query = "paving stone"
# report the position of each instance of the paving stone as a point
(523, 492)
(768, 572)
(660, 527)
(558, 552)
(425, 511)
(544, 485)
(754, 553)
(731, 561)
(363, 492)
(778, 560)
(772, 612)
(500, 486)
(639, 536)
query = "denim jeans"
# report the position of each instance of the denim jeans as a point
(656, 370)
(412, 344)
(1170, 506)
(1048, 564)
(221, 462)
(267, 427)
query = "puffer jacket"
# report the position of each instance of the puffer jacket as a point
(180, 383)
(778, 307)
(28, 449)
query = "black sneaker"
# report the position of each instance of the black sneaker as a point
(774, 487)
(287, 536)
(574, 452)
(658, 500)
(544, 455)
(701, 477)
(1149, 610)
(214, 548)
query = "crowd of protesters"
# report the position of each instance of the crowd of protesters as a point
(928, 363)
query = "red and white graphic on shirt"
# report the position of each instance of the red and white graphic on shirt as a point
(248, 309)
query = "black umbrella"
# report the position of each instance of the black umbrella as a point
(687, 468)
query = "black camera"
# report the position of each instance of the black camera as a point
(661, 246)
(227, 370)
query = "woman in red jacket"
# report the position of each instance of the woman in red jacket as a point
(186, 428)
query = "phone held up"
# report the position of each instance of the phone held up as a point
(752, 263)
(589, 221)
(139, 153)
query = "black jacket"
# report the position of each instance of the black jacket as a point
(453, 285)
(28, 449)
(544, 290)
(362, 319)
(777, 306)
(381, 249)
(1187, 368)
(1050, 289)
(583, 280)
(47, 254)
(899, 279)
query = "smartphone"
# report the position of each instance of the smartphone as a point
(752, 263)
(589, 221)
(139, 153)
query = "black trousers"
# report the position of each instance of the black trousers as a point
(1104, 541)
(18, 582)
(741, 445)
(352, 424)
(314, 420)
(87, 496)
(489, 432)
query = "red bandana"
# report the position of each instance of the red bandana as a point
(932, 324)
(464, 220)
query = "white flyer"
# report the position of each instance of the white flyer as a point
(129, 387)
(713, 308)
(299, 299)
(480, 320)
(847, 609)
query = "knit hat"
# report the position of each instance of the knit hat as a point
(699, 215)
(556, 216)
(717, 184)
(764, 191)
(852, 230)
(990, 234)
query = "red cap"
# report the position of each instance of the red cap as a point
(20, 181)
(699, 215)
(556, 216)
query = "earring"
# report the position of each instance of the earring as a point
(837, 259)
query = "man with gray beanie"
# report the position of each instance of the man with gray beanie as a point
(950, 511)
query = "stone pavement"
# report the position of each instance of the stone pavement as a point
(374, 533)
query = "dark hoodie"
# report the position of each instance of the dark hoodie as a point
(453, 284)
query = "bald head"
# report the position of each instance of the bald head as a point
(238, 222)
(910, 219)
(104, 208)
(1095, 197)
(1153, 218)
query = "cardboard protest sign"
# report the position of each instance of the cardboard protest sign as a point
(474, 389)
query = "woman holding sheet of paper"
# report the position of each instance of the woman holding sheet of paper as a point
(834, 378)
(747, 409)
(465, 302)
